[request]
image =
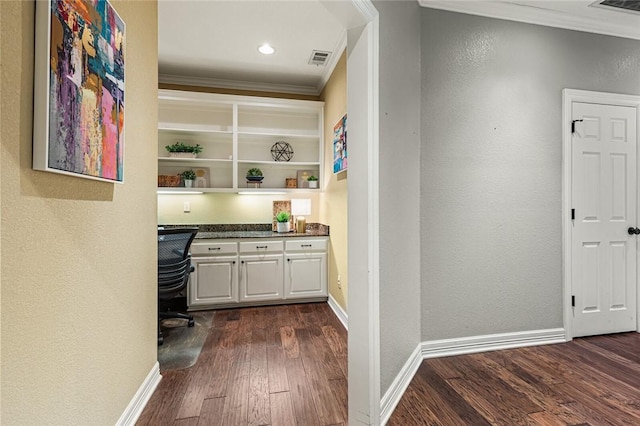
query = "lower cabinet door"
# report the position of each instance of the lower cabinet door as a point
(261, 277)
(214, 281)
(305, 275)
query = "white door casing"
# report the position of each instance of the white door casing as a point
(600, 183)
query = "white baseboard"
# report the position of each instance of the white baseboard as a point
(140, 399)
(461, 346)
(491, 342)
(340, 313)
(399, 385)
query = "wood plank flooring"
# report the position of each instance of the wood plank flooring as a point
(274, 365)
(589, 381)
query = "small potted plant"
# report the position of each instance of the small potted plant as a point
(282, 219)
(254, 175)
(188, 176)
(313, 181)
(182, 150)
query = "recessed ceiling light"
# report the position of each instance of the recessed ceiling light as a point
(266, 49)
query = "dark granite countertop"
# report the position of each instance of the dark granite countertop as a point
(224, 231)
(258, 234)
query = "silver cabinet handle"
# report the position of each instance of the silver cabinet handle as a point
(214, 248)
(261, 247)
(306, 245)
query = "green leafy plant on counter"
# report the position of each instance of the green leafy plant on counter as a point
(188, 175)
(254, 172)
(181, 147)
(283, 217)
(312, 178)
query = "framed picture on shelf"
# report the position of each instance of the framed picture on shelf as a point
(340, 145)
(79, 89)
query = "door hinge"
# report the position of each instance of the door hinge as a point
(573, 214)
(573, 125)
(573, 301)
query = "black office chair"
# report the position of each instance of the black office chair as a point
(174, 267)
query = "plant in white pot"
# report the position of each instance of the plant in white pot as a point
(188, 176)
(182, 150)
(283, 224)
(313, 181)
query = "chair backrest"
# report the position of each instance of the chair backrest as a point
(174, 243)
(174, 260)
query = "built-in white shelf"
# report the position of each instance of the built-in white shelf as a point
(237, 133)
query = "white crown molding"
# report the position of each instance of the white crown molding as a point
(340, 313)
(534, 15)
(237, 84)
(330, 66)
(131, 414)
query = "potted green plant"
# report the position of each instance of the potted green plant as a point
(188, 176)
(182, 150)
(282, 219)
(254, 175)
(313, 181)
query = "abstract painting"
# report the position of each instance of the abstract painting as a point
(79, 89)
(340, 145)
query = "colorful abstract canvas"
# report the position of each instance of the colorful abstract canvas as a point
(340, 145)
(81, 121)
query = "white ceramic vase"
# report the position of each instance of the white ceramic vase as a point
(283, 226)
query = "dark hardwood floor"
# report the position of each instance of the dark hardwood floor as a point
(589, 381)
(274, 365)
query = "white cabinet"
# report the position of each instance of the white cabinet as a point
(305, 271)
(265, 271)
(261, 270)
(215, 277)
(236, 134)
(305, 275)
(214, 280)
(261, 277)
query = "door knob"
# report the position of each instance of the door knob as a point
(633, 231)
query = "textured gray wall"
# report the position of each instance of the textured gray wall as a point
(399, 185)
(491, 166)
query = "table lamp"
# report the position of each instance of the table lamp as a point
(299, 209)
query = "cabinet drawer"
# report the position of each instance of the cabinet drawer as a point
(261, 246)
(209, 248)
(306, 245)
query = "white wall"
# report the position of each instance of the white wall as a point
(399, 176)
(491, 166)
(79, 288)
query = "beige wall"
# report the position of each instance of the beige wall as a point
(217, 208)
(78, 307)
(333, 201)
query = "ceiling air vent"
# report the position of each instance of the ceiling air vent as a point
(319, 57)
(620, 5)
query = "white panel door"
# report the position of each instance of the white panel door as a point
(603, 193)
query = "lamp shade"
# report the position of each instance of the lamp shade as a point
(301, 207)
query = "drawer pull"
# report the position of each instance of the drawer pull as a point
(214, 248)
(306, 245)
(261, 247)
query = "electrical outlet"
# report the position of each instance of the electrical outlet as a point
(339, 282)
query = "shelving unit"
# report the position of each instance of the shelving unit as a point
(237, 133)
